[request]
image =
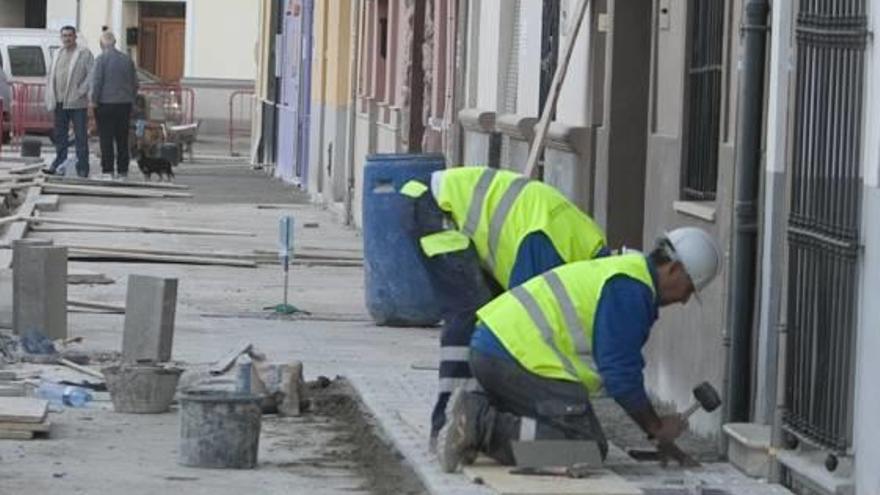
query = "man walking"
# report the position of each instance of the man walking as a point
(114, 89)
(67, 95)
(511, 227)
(541, 350)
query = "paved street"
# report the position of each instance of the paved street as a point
(391, 369)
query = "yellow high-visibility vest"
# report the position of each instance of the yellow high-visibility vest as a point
(546, 324)
(497, 209)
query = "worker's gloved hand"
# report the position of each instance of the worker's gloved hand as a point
(668, 451)
(669, 428)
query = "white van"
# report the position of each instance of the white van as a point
(25, 56)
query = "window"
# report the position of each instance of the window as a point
(26, 61)
(706, 26)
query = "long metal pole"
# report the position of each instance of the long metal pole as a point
(745, 231)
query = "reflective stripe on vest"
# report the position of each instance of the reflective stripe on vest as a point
(546, 324)
(477, 200)
(538, 318)
(499, 217)
(485, 205)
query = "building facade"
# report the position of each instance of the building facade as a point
(209, 46)
(757, 125)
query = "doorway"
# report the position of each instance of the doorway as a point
(162, 30)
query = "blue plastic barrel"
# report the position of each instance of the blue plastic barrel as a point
(398, 290)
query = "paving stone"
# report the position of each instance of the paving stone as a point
(150, 306)
(39, 289)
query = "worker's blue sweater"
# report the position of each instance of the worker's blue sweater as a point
(627, 309)
(536, 255)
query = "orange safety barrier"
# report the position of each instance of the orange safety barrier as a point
(241, 107)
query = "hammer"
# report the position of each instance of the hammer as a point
(706, 397)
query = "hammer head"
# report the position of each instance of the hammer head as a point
(707, 396)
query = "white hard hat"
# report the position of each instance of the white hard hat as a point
(697, 252)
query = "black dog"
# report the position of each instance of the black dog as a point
(149, 166)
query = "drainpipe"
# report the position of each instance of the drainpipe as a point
(354, 76)
(745, 227)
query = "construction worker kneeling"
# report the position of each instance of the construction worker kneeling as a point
(482, 231)
(540, 350)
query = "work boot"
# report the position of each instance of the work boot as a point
(460, 439)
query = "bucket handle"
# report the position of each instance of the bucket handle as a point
(384, 186)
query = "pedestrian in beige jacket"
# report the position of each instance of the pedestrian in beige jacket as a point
(67, 95)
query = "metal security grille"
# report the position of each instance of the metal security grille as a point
(823, 231)
(700, 176)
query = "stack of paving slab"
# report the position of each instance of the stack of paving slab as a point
(23, 418)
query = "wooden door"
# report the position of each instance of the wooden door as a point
(148, 44)
(161, 47)
(172, 36)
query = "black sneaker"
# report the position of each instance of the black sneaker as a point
(48, 171)
(459, 440)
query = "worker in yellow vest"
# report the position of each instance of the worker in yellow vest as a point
(483, 231)
(541, 350)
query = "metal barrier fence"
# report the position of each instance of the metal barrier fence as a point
(241, 107)
(29, 114)
(171, 103)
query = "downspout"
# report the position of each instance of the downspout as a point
(745, 226)
(353, 76)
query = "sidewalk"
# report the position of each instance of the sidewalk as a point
(393, 370)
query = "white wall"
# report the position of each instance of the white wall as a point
(573, 96)
(60, 13)
(529, 60)
(221, 39)
(92, 16)
(867, 400)
(493, 53)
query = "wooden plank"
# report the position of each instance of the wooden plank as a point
(75, 181)
(12, 389)
(119, 192)
(604, 482)
(24, 169)
(138, 228)
(43, 427)
(16, 435)
(81, 369)
(19, 226)
(48, 202)
(79, 277)
(23, 410)
(225, 363)
(265, 253)
(168, 252)
(82, 255)
(96, 305)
